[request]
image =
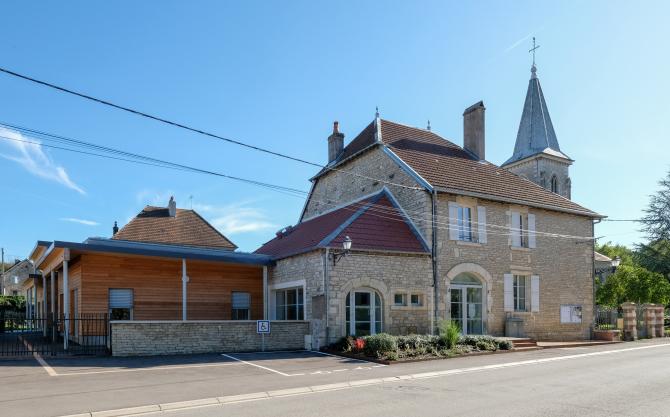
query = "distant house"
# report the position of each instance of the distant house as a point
(13, 278)
(165, 264)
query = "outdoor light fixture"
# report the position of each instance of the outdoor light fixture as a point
(346, 247)
(615, 263)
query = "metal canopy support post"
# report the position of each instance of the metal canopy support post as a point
(44, 305)
(184, 280)
(66, 299)
(53, 302)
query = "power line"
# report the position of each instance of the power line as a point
(191, 129)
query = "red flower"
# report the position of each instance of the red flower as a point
(359, 344)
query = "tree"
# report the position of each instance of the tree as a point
(611, 250)
(656, 221)
(636, 284)
(655, 257)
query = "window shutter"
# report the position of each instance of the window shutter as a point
(241, 300)
(453, 221)
(509, 292)
(534, 293)
(120, 298)
(481, 220)
(565, 314)
(516, 229)
(531, 231)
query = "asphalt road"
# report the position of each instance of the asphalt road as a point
(625, 379)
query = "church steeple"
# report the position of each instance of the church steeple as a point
(537, 155)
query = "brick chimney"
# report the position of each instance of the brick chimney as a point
(473, 130)
(335, 143)
(172, 207)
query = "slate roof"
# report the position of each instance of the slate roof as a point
(187, 228)
(536, 133)
(375, 223)
(599, 257)
(447, 167)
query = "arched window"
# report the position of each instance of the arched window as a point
(554, 184)
(364, 313)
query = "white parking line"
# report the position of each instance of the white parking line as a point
(155, 368)
(39, 359)
(259, 366)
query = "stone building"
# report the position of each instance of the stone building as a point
(13, 278)
(438, 232)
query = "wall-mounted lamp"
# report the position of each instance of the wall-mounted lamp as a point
(346, 248)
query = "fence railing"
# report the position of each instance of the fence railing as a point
(87, 334)
(606, 317)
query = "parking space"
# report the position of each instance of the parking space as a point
(300, 363)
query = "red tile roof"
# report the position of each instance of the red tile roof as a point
(187, 228)
(448, 167)
(374, 223)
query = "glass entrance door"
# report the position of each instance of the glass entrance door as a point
(363, 313)
(467, 307)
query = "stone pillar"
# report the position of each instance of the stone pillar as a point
(629, 321)
(660, 309)
(649, 317)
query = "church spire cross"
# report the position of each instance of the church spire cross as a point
(533, 49)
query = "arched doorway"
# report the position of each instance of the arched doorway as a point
(467, 303)
(364, 312)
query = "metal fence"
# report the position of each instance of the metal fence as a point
(606, 317)
(87, 334)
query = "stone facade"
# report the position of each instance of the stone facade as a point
(14, 277)
(148, 338)
(540, 170)
(564, 265)
(338, 188)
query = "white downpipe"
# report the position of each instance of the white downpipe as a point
(53, 293)
(184, 281)
(66, 305)
(44, 305)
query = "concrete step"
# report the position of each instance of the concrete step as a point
(524, 343)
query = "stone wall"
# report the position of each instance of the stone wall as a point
(337, 188)
(564, 266)
(148, 338)
(540, 170)
(387, 274)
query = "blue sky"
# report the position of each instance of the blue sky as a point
(276, 74)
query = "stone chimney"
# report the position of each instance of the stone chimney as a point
(335, 143)
(473, 130)
(115, 229)
(172, 207)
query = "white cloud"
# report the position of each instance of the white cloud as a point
(235, 218)
(80, 221)
(31, 157)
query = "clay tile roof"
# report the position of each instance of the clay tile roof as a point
(448, 167)
(187, 228)
(374, 223)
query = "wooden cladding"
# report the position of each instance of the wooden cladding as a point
(157, 286)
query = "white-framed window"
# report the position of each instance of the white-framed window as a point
(241, 305)
(519, 288)
(364, 313)
(416, 300)
(522, 230)
(571, 313)
(464, 226)
(290, 304)
(121, 303)
(521, 293)
(400, 299)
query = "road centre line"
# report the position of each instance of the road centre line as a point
(257, 396)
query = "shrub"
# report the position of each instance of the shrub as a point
(416, 342)
(344, 344)
(450, 332)
(504, 344)
(358, 345)
(380, 344)
(485, 343)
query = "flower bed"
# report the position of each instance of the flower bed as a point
(385, 347)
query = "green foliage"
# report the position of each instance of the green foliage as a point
(656, 221)
(12, 303)
(655, 256)
(450, 332)
(344, 344)
(485, 343)
(612, 251)
(636, 284)
(380, 345)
